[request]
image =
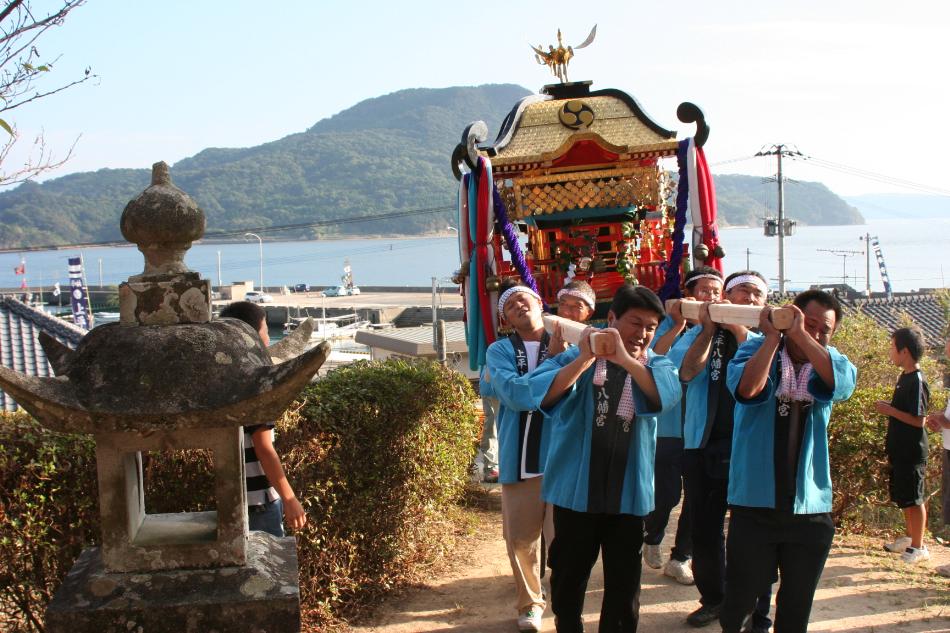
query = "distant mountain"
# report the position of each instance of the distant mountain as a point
(881, 206)
(745, 200)
(388, 153)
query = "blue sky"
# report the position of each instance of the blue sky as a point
(859, 84)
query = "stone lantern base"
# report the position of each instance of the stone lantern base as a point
(261, 596)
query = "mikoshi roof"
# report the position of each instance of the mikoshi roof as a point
(20, 350)
(540, 127)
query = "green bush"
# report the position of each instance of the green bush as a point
(48, 512)
(377, 452)
(856, 432)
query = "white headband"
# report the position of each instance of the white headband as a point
(580, 294)
(514, 289)
(704, 276)
(747, 279)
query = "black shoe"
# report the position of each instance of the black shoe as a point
(704, 615)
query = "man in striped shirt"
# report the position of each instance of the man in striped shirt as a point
(270, 499)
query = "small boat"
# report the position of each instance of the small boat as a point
(330, 328)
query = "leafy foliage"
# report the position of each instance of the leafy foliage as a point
(47, 513)
(856, 431)
(377, 452)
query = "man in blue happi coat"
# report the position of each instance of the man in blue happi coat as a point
(702, 355)
(700, 284)
(780, 477)
(599, 469)
(522, 443)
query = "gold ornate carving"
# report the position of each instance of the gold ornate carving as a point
(608, 188)
(558, 58)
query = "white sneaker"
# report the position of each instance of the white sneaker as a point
(915, 554)
(530, 619)
(899, 545)
(680, 571)
(652, 556)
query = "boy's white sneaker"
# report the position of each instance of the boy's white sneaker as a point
(915, 554)
(899, 545)
(652, 556)
(680, 571)
(530, 619)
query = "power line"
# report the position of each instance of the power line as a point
(731, 160)
(258, 229)
(874, 176)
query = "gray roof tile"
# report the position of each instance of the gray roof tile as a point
(20, 350)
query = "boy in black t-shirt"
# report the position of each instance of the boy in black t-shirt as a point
(906, 442)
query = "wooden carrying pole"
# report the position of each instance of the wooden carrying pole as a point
(732, 314)
(601, 344)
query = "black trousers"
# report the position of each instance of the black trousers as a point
(706, 497)
(668, 483)
(578, 538)
(763, 541)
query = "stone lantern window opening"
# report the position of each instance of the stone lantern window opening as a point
(189, 487)
(133, 540)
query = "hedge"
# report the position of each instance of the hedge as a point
(859, 469)
(377, 452)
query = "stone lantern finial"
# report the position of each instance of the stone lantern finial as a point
(163, 221)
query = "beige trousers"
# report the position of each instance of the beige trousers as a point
(524, 517)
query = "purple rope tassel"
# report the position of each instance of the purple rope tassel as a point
(671, 285)
(511, 239)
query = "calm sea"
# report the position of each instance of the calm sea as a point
(916, 252)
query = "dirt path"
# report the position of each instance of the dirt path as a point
(861, 590)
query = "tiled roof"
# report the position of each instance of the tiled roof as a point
(20, 326)
(924, 309)
(414, 341)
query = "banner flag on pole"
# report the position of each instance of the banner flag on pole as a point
(78, 295)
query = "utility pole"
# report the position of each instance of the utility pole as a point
(867, 251)
(748, 265)
(844, 255)
(219, 271)
(784, 226)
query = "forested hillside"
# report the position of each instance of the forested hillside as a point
(745, 200)
(386, 154)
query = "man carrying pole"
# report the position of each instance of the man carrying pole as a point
(702, 355)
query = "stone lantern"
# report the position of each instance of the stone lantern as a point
(164, 378)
